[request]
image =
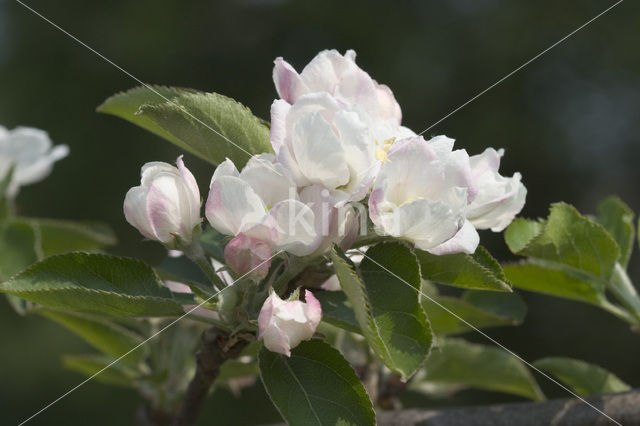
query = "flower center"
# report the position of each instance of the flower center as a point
(383, 148)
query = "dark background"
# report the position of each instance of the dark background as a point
(569, 123)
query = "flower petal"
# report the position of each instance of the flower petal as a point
(465, 241)
(287, 81)
(233, 206)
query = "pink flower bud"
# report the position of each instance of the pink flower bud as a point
(284, 324)
(166, 204)
(246, 255)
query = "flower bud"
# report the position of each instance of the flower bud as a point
(284, 324)
(166, 205)
(248, 256)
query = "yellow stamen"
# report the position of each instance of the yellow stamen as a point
(381, 151)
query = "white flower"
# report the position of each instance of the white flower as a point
(497, 202)
(284, 324)
(31, 154)
(332, 124)
(422, 191)
(262, 203)
(166, 205)
(499, 198)
(340, 77)
(320, 143)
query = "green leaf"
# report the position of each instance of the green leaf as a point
(460, 363)
(116, 374)
(520, 233)
(479, 308)
(387, 304)
(316, 385)
(571, 239)
(94, 283)
(583, 378)
(209, 125)
(212, 126)
(126, 105)
(60, 236)
(505, 305)
(337, 310)
(557, 280)
(106, 336)
(617, 219)
(479, 271)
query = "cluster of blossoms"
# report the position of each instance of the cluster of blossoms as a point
(338, 141)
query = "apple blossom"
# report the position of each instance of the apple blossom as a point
(331, 122)
(497, 202)
(30, 153)
(320, 143)
(261, 202)
(248, 256)
(422, 191)
(499, 198)
(283, 324)
(339, 76)
(166, 205)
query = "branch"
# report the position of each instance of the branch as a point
(217, 347)
(622, 407)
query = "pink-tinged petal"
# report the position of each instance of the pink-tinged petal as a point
(269, 180)
(135, 211)
(277, 340)
(501, 211)
(279, 111)
(331, 284)
(248, 256)
(499, 198)
(266, 313)
(389, 107)
(313, 310)
(166, 204)
(177, 287)
(189, 197)
(282, 325)
(487, 162)
(233, 206)
(290, 224)
(288, 82)
(427, 223)
(349, 226)
(375, 201)
(465, 241)
(189, 180)
(163, 208)
(318, 151)
(323, 73)
(226, 168)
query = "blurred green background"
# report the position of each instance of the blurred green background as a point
(568, 121)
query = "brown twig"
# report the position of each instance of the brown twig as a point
(217, 347)
(623, 407)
